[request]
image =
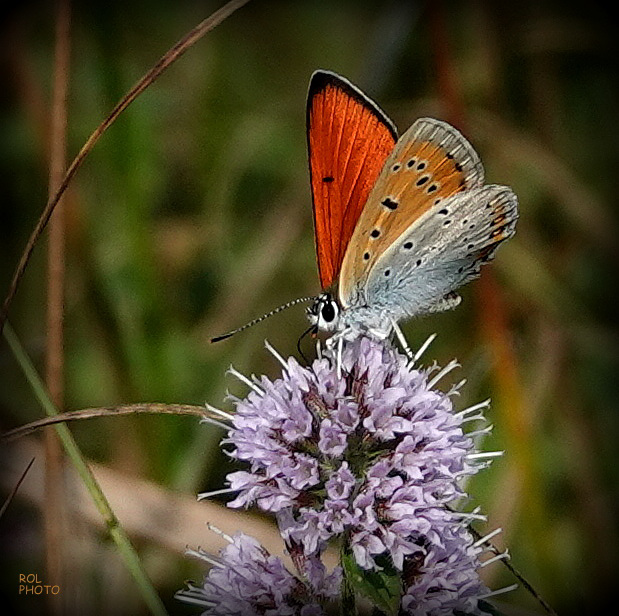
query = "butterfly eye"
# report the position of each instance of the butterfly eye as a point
(329, 311)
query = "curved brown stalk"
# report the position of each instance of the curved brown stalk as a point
(56, 538)
(164, 62)
(154, 408)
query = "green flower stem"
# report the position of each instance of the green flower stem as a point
(118, 534)
(348, 605)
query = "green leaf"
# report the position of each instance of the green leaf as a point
(383, 588)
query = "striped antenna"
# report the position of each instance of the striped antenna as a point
(294, 302)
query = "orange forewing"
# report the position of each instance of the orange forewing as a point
(349, 138)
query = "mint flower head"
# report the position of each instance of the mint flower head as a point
(377, 452)
(361, 451)
(246, 580)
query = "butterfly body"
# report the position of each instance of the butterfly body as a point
(400, 223)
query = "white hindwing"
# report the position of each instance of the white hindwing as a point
(441, 251)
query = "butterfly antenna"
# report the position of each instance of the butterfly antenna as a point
(294, 302)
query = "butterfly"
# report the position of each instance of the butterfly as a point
(400, 223)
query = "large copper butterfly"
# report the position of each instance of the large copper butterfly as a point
(400, 224)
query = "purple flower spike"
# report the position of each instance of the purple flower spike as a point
(245, 579)
(368, 455)
(371, 447)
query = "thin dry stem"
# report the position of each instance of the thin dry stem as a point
(154, 408)
(55, 514)
(11, 496)
(164, 62)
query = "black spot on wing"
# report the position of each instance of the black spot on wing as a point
(389, 203)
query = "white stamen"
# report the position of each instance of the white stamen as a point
(487, 538)
(275, 354)
(468, 517)
(423, 348)
(204, 495)
(231, 397)
(501, 556)
(500, 591)
(484, 454)
(455, 389)
(219, 532)
(446, 370)
(216, 411)
(478, 417)
(480, 466)
(215, 422)
(433, 368)
(485, 430)
(186, 597)
(244, 379)
(256, 381)
(194, 595)
(403, 343)
(482, 405)
(204, 556)
(198, 553)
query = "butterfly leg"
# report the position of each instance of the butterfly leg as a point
(402, 340)
(337, 339)
(340, 350)
(422, 349)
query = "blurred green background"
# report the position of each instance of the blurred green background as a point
(193, 215)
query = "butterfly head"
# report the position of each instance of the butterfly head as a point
(325, 312)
